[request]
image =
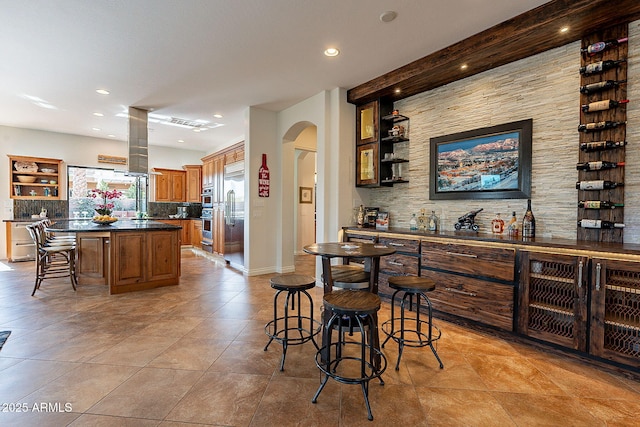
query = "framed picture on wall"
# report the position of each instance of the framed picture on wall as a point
(487, 163)
(306, 195)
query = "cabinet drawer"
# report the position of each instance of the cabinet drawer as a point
(401, 245)
(363, 238)
(475, 299)
(399, 264)
(495, 263)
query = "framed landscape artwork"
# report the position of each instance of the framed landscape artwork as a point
(487, 163)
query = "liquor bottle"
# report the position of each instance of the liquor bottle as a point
(599, 204)
(597, 185)
(433, 221)
(528, 222)
(600, 86)
(591, 127)
(601, 145)
(602, 105)
(497, 224)
(360, 220)
(512, 227)
(596, 48)
(597, 223)
(413, 223)
(600, 66)
(596, 166)
(263, 178)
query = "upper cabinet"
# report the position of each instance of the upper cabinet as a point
(34, 178)
(380, 161)
(194, 183)
(170, 185)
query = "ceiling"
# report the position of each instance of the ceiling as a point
(191, 59)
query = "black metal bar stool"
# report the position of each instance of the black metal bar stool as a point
(411, 331)
(351, 362)
(291, 329)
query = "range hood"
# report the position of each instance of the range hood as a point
(138, 142)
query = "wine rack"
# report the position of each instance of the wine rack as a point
(618, 133)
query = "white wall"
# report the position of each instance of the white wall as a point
(74, 150)
(305, 219)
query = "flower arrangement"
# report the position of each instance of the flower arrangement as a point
(105, 207)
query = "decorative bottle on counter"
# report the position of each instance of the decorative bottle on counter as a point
(596, 166)
(601, 145)
(433, 221)
(361, 216)
(413, 223)
(512, 228)
(599, 67)
(528, 222)
(598, 47)
(599, 204)
(602, 105)
(497, 224)
(600, 86)
(591, 127)
(597, 223)
(597, 185)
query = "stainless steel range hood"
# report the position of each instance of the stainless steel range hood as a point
(138, 142)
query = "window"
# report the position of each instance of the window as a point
(82, 180)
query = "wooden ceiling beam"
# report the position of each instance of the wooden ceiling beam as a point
(528, 34)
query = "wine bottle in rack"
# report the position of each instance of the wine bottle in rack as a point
(600, 86)
(596, 48)
(602, 105)
(598, 185)
(600, 66)
(596, 166)
(595, 126)
(599, 204)
(601, 145)
(597, 223)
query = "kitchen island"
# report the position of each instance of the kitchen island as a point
(126, 255)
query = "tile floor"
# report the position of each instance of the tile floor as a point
(193, 355)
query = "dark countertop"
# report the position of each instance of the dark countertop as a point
(86, 226)
(154, 218)
(574, 244)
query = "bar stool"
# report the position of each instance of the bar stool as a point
(351, 310)
(281, 326)
(411, 331)
(350, 277)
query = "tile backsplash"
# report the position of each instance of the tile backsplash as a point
(23, 209)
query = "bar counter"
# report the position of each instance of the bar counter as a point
(127, 255)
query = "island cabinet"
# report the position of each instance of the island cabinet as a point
(553, 298)
(474, 281)
(185, 233)
(405, 262)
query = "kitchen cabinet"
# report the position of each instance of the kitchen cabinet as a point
(33, 178)
(170, 185)
(553, 298)
(193, 183)
(405, 262)
(196, 233)
(185, 233)
(615, 311)
(20, 246)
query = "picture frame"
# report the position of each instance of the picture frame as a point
(486, 163)
(306, 195)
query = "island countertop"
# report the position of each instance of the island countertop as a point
(87, 226)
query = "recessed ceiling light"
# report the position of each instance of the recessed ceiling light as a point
(96, 129)
(111, 136)
(181, 141)
(102, 91)
(98, 114)
(388, 16)
(332, 51)
(564, 29)
(398, 91)
(217, 116)
(464, 66)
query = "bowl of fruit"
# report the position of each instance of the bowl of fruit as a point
(104, 219)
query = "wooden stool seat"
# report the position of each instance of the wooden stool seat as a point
(349, 302)
(411, 284)
(290, 282)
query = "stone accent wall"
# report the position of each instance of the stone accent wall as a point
(545, 88)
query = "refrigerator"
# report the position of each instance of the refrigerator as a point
(234, 214)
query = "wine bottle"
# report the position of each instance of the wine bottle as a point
(599, 204)
(596, 166)
(601, 145)
(528, 222)
(600, 86)
(598, 185)
(597, 223)
(591, 127)
(600, 66)
(598, 47)
(602, 105)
